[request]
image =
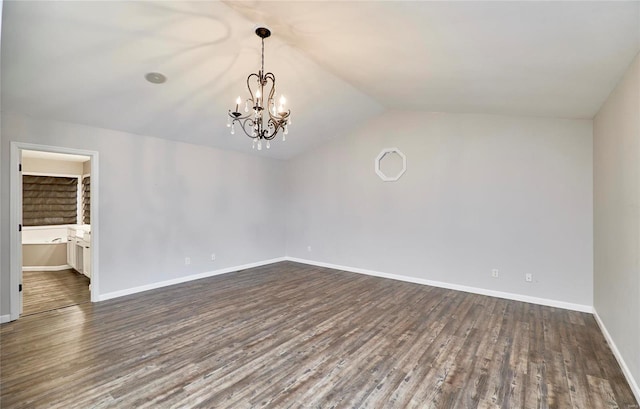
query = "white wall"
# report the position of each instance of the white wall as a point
(480, 192)
(4, 236)
(162, 201)
(53, 167)
(617, 218)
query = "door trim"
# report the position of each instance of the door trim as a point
(15, 209)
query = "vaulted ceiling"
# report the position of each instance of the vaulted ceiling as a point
(339, 63)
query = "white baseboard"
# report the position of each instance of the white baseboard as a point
(457, 287)
(46, 268)
(153, 286)
(5, 318)
(625, 369)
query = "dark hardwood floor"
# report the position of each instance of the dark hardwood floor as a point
(289, 336)
(49, 290)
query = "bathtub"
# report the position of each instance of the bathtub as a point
(44, 248)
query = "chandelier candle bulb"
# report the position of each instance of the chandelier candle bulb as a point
(238, 102)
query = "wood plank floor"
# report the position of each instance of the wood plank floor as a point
(294, 336)
(49, 290)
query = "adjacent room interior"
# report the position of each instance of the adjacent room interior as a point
(56, 230)
(438, 206)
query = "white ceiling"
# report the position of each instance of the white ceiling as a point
(339, 63)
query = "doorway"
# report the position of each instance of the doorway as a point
(54, 250)
(56, 230)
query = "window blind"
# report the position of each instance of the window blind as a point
(49, 200)
(86, 200)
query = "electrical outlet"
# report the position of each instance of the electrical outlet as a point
(528, 277)
(309, 249)
(187, 261)
(213, 256)
(494, 273)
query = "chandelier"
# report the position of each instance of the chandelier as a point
(265, 120)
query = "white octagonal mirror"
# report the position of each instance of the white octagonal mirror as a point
(390, 164)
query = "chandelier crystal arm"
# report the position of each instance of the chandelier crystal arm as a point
(246, 124)
(252, 97)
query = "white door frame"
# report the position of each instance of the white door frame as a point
(15, 208)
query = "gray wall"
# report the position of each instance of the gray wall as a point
(162, 201)
(617, 216)
(480, 192)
